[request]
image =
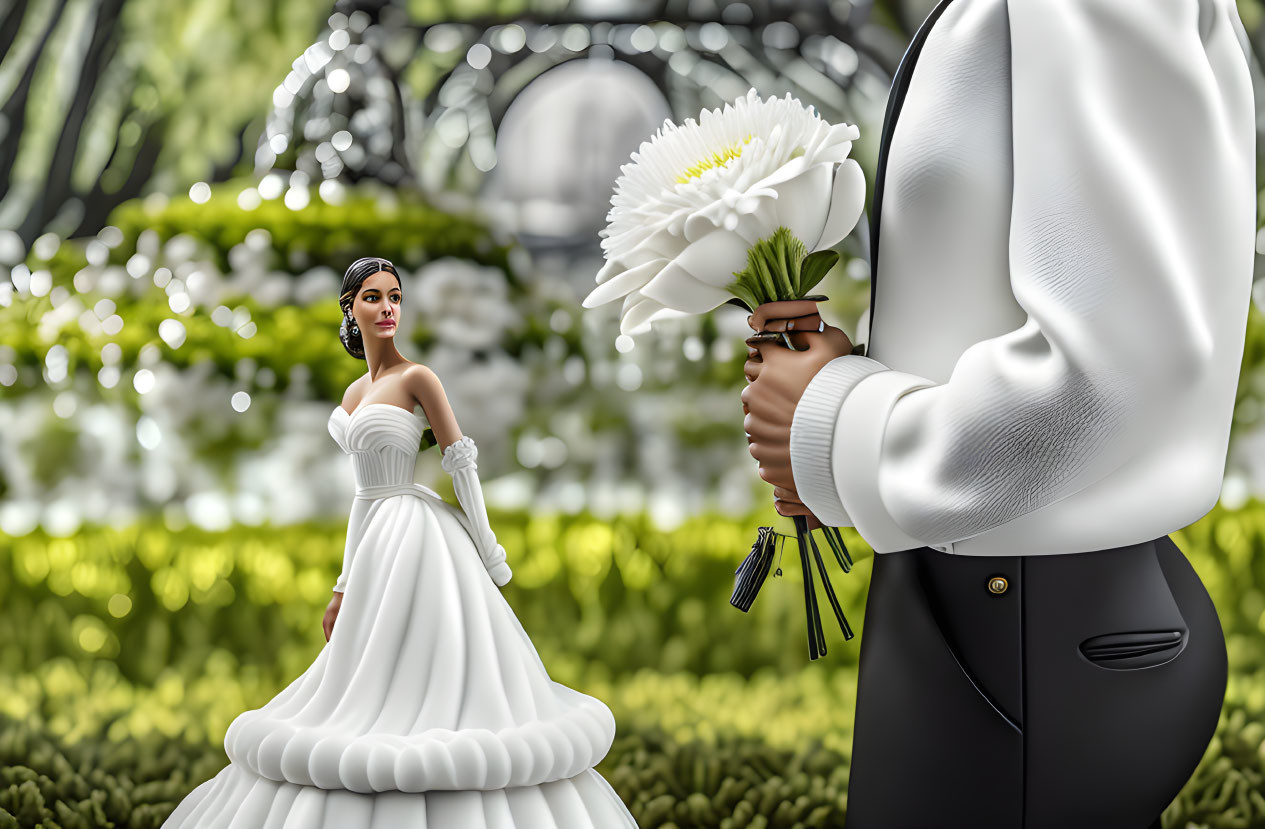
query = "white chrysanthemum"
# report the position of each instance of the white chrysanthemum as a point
(695, 198)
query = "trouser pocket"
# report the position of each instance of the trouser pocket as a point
(1125, 668)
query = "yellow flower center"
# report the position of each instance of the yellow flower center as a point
(719, 159)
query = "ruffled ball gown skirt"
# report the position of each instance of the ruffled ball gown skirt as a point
(429, 706)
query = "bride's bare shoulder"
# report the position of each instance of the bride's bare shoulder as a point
(423, 383)
(354, 393)
(420, 378)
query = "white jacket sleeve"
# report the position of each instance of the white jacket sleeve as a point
(459, 462)
(1132, 144)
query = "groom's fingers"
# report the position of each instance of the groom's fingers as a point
(798, 330)
(751, 368)
(806, 324)
(765, 404)
(814, 523)
(770, 455)
(760, 430)
(778, 475)
(786, 494)
(779, 370)
(833, 339)
(766, 374)
(788, 508)
(783, 309)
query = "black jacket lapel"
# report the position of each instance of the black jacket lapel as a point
(895, 98)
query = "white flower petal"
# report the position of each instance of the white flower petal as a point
(846, 202)
(714, 258)
(623, 283)
(751, 230)
(663, 243)
(612, 267)
(703, 222)
(802, 203)
(789, 170)
(636, 316)
(674, 287)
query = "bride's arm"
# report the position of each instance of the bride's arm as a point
(459, 462)
(424, 385)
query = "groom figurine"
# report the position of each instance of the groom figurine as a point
(1046, 392)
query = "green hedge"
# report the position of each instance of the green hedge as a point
(730, 781)
(618, 592)
(409, 231)
(399, 226)
(146, 643)
(175, 633)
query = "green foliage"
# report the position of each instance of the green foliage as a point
(1249, 404)
(731, 780)
(405, 230)
(433, 11)
(284, 338)
(1227, 789)
(136, 95)
(45, 781)
(136, 782)
(127, 653)
(618, 591)
(400, 227)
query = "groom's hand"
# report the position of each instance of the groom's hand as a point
(776, 379)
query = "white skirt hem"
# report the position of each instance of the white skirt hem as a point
(237, 799)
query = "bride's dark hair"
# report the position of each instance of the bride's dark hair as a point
(356, 274)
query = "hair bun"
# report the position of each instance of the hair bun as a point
(353, 343)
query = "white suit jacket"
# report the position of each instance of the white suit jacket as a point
(1066, 193)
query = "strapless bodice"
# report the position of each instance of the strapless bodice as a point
(382, 439)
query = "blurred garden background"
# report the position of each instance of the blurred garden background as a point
(182, 185)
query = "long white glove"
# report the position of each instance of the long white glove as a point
(459, 462)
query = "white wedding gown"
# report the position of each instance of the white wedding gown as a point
(429, 706)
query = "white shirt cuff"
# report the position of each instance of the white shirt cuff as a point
(836, 442)
(812, 435)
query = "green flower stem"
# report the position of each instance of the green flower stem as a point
(779, 267)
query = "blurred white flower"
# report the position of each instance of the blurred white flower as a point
(695, 198)
(465, 304)
(488, 396)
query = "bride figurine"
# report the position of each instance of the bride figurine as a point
(428, 707)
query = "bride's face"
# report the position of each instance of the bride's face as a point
(376, 306)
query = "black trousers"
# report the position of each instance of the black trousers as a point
(1081, 696)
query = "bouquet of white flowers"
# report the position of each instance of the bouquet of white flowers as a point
(739, 207)
(742, 205)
